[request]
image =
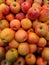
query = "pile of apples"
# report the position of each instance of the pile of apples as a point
(24, 32)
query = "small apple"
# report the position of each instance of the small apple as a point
(41, 29)
(11, 55)
(15, 7)
(26, 21)
(20, 16)
(23, 49)
(25, 6)
(33, 13)
(4, 24)
(21, 35)
(10, 17)
(20, 61)
(13, 44)
(15, 24)
(33, 48)
(33, 38)
(42, 42)
(7, 35)
(30, 59)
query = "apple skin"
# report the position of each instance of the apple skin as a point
(41, 29)
(30, 59)
(21, 48)
(20, 61)
(1, 15)
(33, 48)
(30, 1)
(26, 21)
(38, 1)
(33, 13)
(10, 17)
(45, 54)
(15, 7)
(37, 5)
(42, 42)
(3, 8)
(32, 38)
(13, 44)
(25, 6)
(21, 35)
(7, 35)
(20, 16)
(15, 24)
(40, 61)
(46, 1)
(4, 24)
(2, 53)
(11, 55)
(47, 36)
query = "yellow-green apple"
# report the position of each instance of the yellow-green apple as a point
(10, 17)
(33, 13)
(15, 24)
(15, 7)
(41, 29)
(26, 21)
(7, 35)
(33, 38)
(21, 35)
(30, 59)
(4, 24)
(20, 16)
(33, 48)
(20, 61)
(42, 42)
(25, 6)
(11, 55)
(23, 49)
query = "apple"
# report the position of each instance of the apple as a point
(45, 54)
(26, 21)
(4, 8)
(25, 6)
(7, 35)
(30, 59)
(23, 49)
(33, 48)
(2, 53)
(10, 17)
(46, 1)
(47, 36)
(30, 1)
(44, 14)
(42, 42)
(41, 29)
(21, 35)
(20, 61)
(4, 24)
(40, 61)
(38, 1)
(13, 44)
(33, 13)
(15, 24)
(20, 16)
(37, 5)
(33, 38)
(15, 7)
(11, 55)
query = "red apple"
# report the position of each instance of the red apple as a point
(15, 24)
(41, 29)
(33, 38)
(20, 16)
(23, 49)
(33, 13)
(15, 7)
(30, 1)
(25, 6)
